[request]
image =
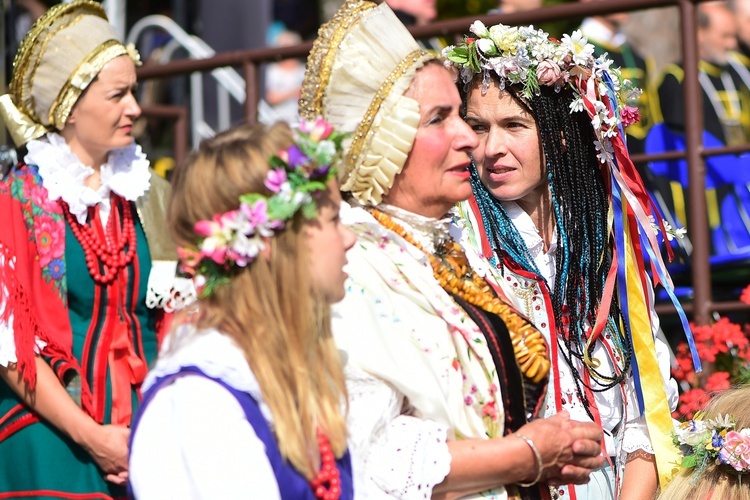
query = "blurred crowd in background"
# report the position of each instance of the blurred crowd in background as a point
(646, 44)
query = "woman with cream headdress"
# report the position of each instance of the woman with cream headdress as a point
(442, 376)
(85, 269)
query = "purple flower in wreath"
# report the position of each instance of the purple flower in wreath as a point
(294, 157)
(320, 171)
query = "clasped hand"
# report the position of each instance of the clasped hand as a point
(570, 450)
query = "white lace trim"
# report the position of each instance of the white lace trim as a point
(63, 175)
(168, 291)
(215, 354)
(636, 437)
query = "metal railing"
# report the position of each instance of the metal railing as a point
(702, 305)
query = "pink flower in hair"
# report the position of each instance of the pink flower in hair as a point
(318, 129)
(548, 72)
(217, 233)
(630, 115)
(736, 450)
(275, 179)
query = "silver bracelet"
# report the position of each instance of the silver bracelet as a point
(539, 461)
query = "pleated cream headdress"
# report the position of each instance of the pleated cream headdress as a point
(360, 65)
(58, 58)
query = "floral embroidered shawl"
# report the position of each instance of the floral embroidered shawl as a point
(32, 248)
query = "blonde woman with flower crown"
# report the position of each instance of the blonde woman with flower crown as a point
(443, 378)
(561, 225)
(245, 400)
(715, 446)
(86, 271)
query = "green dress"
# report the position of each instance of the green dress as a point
(37, 461)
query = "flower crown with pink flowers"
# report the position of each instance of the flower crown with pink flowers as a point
(717, 441)
(234, 239)
(528, 58)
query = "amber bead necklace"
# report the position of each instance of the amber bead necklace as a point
(452, 271)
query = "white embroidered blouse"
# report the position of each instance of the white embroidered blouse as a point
(418, 369)
(528, 297)
(179, 449)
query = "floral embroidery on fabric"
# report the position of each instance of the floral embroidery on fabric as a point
(45, 223)
(479, 392)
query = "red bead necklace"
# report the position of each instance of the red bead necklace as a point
(110, 250)
(328, 472)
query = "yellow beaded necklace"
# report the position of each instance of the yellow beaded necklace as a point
(451, 269)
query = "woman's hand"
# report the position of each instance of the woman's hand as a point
(108, 446)
(570, 450)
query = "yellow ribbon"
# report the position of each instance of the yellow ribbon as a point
(22, 128)
(658, 415)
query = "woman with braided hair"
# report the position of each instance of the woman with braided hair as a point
(559, 223)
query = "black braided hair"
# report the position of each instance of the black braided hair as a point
(580, 205)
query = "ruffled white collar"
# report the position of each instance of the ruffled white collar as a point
(429, 232)
(63, 175)
(214, 353)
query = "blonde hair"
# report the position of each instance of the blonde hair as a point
(714, 482)
(268, 308)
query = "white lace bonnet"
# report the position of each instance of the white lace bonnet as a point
(360, 65)
(58, 58)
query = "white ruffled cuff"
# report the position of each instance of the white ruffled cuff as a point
(410, 459)
(166, 290)
(636, 437)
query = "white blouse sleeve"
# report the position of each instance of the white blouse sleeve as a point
(7, 335)
(394, 455)
(636, 435)
(194, 442)
(7, 342)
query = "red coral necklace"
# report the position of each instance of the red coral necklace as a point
(108, 249)
(328, 472)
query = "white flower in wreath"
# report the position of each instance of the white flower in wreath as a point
(505, 37)
(479, 29)
(604, 151)
(611, 126)
(577, 105)
(721, 421)
(245, 248)
(325, 152)
(693, 432)
(633, 94)
(680, 233)
(504, 66)
(579, 48)
(603, 63)
(486, 46)
(84, 76)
